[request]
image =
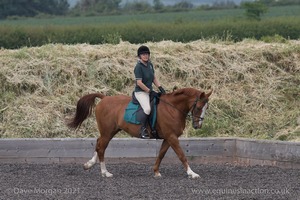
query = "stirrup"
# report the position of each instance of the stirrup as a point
(144, 133)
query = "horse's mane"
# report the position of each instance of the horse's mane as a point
(186, 91)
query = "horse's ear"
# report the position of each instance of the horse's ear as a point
(175, 88)
(208, 94)
(177, 92)
(202, 95)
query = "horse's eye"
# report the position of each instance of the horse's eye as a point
(199, 108)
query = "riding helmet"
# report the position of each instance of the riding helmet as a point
(143, 49)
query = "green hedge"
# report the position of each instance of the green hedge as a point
(137, 32)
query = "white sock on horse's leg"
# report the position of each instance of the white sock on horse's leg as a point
(157, 175)
(91, 162)
(191, 174)
(104, 171)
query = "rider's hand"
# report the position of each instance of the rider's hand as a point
(162, 90)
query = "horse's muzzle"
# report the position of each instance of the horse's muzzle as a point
(197, 126)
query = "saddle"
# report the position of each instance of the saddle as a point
(134, 111)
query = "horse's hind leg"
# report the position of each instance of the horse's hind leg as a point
(89, 164)
(93, 161)
(163, 149)
(102, 144)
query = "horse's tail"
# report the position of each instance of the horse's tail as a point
(84, 109)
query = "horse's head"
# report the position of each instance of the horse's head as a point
(198, 109)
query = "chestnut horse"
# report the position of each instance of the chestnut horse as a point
(172, 111)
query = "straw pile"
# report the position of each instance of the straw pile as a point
(256, 85)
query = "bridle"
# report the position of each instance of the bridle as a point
(193, 107)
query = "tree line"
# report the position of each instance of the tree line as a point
(40, 8)
(32, 8)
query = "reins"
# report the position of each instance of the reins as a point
(189, 113)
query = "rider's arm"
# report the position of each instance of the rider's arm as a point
(142, 85)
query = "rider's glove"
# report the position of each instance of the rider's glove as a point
(162, 90)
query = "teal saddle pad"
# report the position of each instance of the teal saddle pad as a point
(130, 115)
(133, 111)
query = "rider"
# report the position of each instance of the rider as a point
(145, 76)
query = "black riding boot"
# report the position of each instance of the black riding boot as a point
(144, 132)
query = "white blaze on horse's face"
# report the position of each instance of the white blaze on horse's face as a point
(202, 114)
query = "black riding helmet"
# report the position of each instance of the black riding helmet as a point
(143, 49)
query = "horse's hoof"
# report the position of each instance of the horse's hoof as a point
(194, 176)
(157, 175)
(88, 165)
(107, 174)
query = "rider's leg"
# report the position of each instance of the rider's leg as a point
(144, 100)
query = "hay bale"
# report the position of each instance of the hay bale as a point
(256, 84)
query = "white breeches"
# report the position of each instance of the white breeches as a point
(144, 100)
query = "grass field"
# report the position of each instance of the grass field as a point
(174, 17)
(229, 25)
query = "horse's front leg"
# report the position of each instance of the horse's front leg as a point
(174, 143)
(163, 149)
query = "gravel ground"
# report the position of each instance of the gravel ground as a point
(136, 181)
